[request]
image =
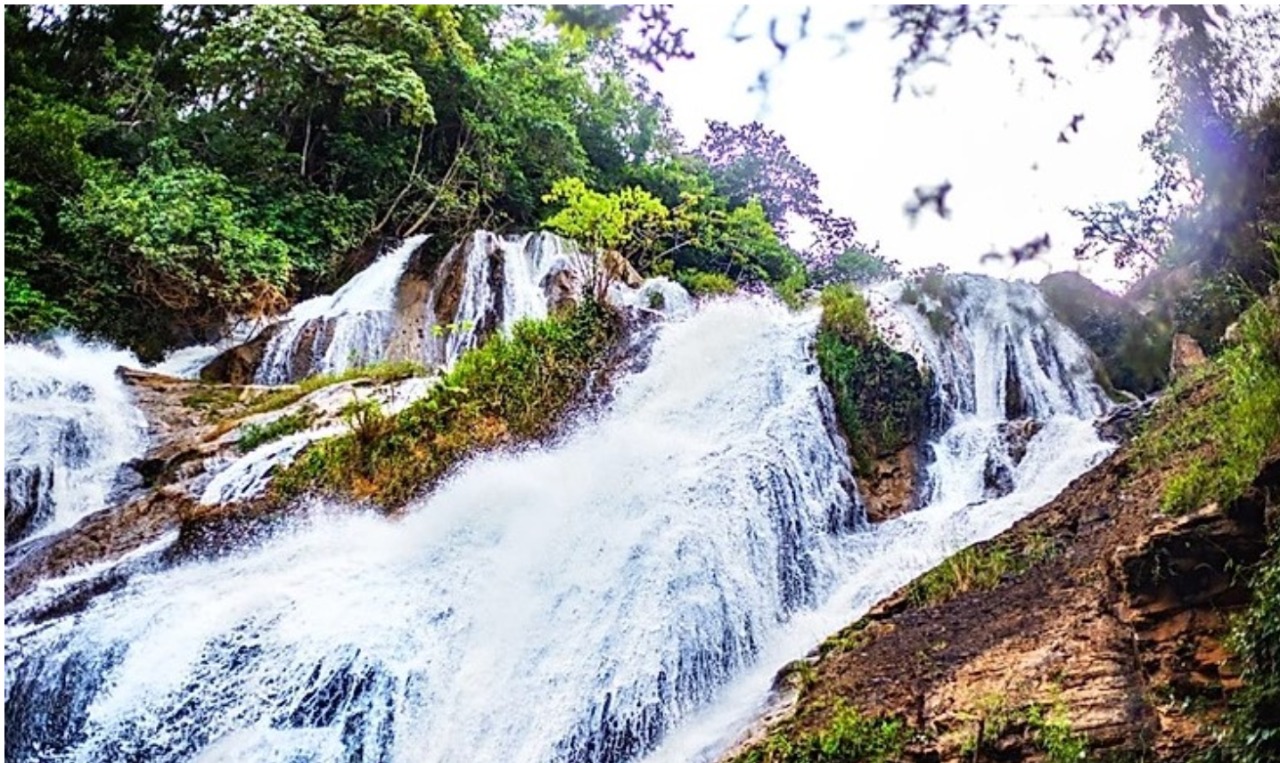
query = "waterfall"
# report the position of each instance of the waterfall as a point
(333, 332)
(1018, 397)
(69, 427)
(626, 591)
(569, 602)
(485, 284)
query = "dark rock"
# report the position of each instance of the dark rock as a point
(1121, 423)
(28, 504)
(239, 364)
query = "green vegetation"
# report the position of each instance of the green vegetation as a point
(848, 736)
(845, 314)
(979, 568)
(701, 284)
(1254, 730)
(511, 389)
(1048, 726)
(170, 165)
(380, 373)
(254, 435)
(1132, 348)
(879, 393)
(1218, 445)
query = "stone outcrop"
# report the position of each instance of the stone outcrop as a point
(891, 487)
(1184, 355)
(239, 364)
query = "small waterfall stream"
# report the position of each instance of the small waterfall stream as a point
(626, 591)
(69, 426)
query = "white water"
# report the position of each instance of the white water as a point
(349, 328)
(618, 578)
(568, 603)
(69, 427)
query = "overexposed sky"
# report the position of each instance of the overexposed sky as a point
(990, 130)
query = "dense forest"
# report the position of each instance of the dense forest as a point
(171, 167)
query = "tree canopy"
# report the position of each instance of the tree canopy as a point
(170, 167)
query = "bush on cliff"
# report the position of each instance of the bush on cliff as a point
(511, 389)
(880, 394)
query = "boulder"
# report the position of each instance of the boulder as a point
(1185, 354)
(239, 365)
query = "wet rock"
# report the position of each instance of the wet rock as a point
(891, 488)
(1121, 423)
(239, 364)
(1186, 354)
(27, 500)
(617, 268)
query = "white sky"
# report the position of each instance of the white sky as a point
(991, 131)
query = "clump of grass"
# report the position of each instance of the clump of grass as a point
(382, 373)
(1047, 725)
(1219, 446)
(255, 435)
(510, 389)
(847, 736)
(212, 399)
(979, 568)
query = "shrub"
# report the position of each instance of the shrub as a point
(703, 284)
(1219, 445)
(879, 393)
(844, 313)
(979, 568)
(383, 372)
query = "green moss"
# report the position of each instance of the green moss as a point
(1218, 445)
(846, 736)
(1253, 734)
(255, 435)
(382, 373)
(212, 400)
(1046, 724)
(511, 389)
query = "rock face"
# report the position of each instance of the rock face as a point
(1133, 348)
(1185, 354)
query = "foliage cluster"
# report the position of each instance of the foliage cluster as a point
(511, 389)
(255, 435)
(847, 735)
(379, 373)
(1047, 724)
(1218, 446)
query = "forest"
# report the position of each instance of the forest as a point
(170, 168)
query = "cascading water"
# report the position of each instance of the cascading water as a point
(1018, 396)
(69, 427)
(334, 332)
(631, 587)
(618, 577)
